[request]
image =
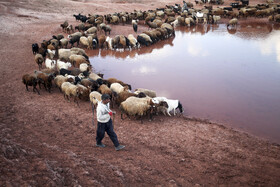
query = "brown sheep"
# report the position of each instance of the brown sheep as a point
(114, 80)
(39, 59)
(30, 80)
(46, 80)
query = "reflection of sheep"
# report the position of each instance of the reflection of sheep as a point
(232, 22)
(134, 106)
(148, 92)
(30, 80)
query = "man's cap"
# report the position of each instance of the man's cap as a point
(105, 96)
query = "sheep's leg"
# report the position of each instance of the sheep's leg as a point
(168, 113)
(26, 87)
(34, 88)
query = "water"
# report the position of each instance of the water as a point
(230, 77)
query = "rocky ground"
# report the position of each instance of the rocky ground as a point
(46, 141)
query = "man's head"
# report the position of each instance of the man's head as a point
(105, 98)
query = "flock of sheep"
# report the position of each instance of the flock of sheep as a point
(69, 69)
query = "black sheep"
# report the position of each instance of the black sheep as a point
(35, 48)
(74, 39)
(63, 72)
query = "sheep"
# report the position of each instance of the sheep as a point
(148, 92)
(109, 43)
(189, 21)
(70, 90)
(59, 80)
(76, 60)
(89, 83)
(144, 39)
(232, 22)
(95, 97)
(152, 25)
(162, 107)
(78, 51)
(45, 79)
(132, 40)
(63, 43)
(134, 106)
(114, 20)
(50, 64)
(63, 65)
(84, 92)
(106, 28)
(35, 48)
(64, 25)
(122, 96)
(96, 77)
(84, 41)
(74, 39)
(169, 28)
(92, 30)
(153, 35)
(39, 59)
(172, 104)
(84, 67)
(118, 88)
(30, 80)
(134, 25)
(75, 34)
(80, 27)
(69, 29)
(50, 53)
(216, 19)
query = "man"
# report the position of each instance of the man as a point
(104, 120)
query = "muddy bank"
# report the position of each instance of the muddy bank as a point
(46, 141)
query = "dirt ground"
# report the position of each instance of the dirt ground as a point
(46, 141)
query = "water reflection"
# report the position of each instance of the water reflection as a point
(214, 73)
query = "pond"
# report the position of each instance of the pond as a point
(226, 76)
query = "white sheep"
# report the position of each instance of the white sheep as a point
(91, 30)
(95, 97)
(84, 67)
(64, 65)
(148, 92)
(75, 34)
(50, 64)
(118, 88)
(51, 53)
(84, 41)
(94, 76)
(132, 40)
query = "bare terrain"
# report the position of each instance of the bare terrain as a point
(46, 141)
